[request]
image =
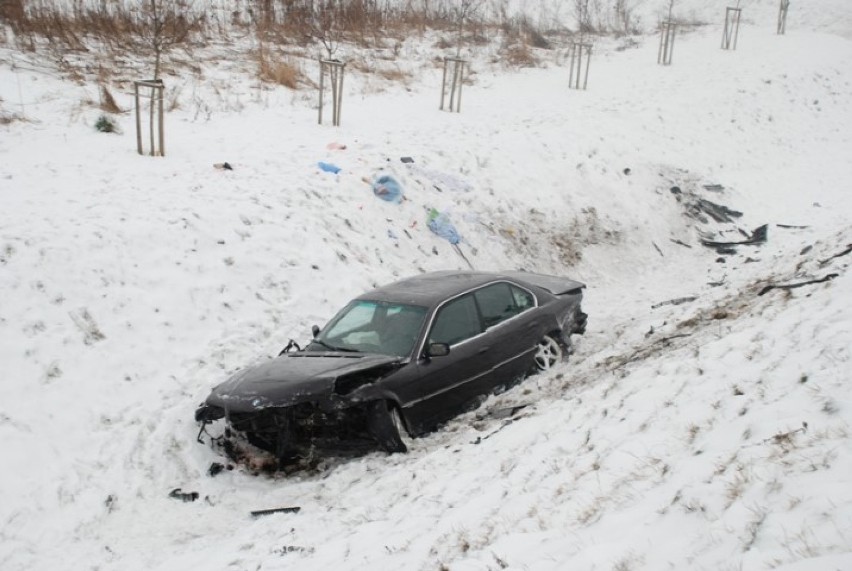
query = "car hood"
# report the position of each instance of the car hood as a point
(291, 379)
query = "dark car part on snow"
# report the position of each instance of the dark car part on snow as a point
(843, 253)
(289, 510)
(678, 301)
(183, 496)
(398, 361)
(759, 236)
(702, 209)
(508, 414)
(217, 468)
(823, 279)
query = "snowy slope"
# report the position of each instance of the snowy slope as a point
(675, 437)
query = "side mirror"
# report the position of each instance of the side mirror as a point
(315, 330)
(438, 350)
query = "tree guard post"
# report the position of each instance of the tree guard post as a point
(667, 38)
(782, 17)
(732, 28)
(334, 68)
(579, 50)
(157, 143)
(455, 66)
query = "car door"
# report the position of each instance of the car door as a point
(446, 384)
(492, 332)
(512, 330)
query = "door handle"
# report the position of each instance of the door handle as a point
(483, 350)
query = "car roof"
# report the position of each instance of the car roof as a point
(433, 287)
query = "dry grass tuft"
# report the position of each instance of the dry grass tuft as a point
(520, 55)
(628, 563)
(395, 74)
(692, 433)
(390, 73)
(283, 72)
(753, 527)
(7, 118)
(443, 43)
(735, 488)
(108, 103)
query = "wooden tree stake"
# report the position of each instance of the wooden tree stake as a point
(157, 143)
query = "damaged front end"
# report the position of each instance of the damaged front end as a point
(298, 432)
(300, 404)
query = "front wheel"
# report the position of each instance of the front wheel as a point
(388, 427)
(548, 353)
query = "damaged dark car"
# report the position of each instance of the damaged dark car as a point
(399, 360)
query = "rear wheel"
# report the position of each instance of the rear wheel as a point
(388, 427)
(548, 353)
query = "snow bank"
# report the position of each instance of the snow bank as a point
(675, 436)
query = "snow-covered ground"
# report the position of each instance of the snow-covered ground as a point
(711, 434)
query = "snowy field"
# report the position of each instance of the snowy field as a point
(708, 434)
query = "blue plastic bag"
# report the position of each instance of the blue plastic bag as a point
(440, 224)
(328, 167)
(387, 188)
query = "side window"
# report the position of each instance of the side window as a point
(456, 321)
(496, 303)
(523, 299)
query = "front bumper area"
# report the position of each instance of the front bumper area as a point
(299, 431)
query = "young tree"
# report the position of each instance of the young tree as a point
(325, 24)
(671, 10)
(163, 25)
(624, 15)
(583, 17)
(463, 11)
(158, 27)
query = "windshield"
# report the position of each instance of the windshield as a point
(373, 327)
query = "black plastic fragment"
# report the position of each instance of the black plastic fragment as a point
(843, 253)
(183, 496)
(717, 212)
(759, 236)
(800, 284)
(678, 301)
(289, 510)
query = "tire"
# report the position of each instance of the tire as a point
(388, 427)
(548, 353)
